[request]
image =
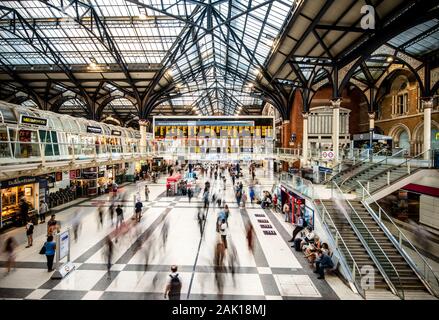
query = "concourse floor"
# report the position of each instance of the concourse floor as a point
(272, 271)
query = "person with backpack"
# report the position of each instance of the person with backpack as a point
(173, 287)
(138, 210)
(119, 216)
(29, 233)
(49, 250)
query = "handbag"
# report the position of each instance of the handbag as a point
(43, 249)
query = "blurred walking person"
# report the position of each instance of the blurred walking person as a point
(76, 225)
(100, 216)
(9, 249)
(190, 194)
(111, 212)
(250, 236)
(146, 193)
(244, 198)
(219, 267)
(223, 231)
(109, 249)
(201, 219)
(119, 216)
(173, 287)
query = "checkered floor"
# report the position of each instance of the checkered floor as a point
(271, 271)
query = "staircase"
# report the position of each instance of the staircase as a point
(409, 279)
(367, 174)
(353, 243)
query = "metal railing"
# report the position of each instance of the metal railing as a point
(374, 249)
(339, 245)
(422, 267)
(306, 188)
(368, 170)
(363, 157)
(302, 185)
(408, 164)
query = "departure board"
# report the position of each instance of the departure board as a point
(213, 127)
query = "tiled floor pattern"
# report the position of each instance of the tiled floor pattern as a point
(272, 271)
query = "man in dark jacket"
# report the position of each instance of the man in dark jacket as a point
(323, 262)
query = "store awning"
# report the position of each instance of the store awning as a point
(417, 188)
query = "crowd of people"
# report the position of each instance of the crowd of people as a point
(220, 182)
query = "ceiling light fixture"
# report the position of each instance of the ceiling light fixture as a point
(143, 16)
(389, 59)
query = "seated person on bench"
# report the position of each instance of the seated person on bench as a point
(266, 200)
(323, 262)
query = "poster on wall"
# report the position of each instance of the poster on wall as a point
(309, 216)
(58, 176)
(72, 174)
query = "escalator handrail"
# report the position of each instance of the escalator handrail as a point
(375, 164)
(396, 243)
(342, 255)
(368, 249)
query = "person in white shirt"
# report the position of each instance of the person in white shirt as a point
(223, 232)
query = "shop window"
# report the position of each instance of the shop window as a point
(28, 145)
(47, 143)
(5, 151)
(55, 143)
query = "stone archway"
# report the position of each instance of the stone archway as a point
(401, 136)
(418, 137)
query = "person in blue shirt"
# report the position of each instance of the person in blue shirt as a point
(50, 246)
(323, 262)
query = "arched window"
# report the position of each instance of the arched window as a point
(400, 96)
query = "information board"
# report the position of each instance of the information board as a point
(214, 127)
(64, 243)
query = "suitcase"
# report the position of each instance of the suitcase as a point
(297, 244)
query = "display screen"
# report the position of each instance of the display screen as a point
(213, 127)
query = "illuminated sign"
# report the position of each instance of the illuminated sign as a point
(92, 129)
(116, 133)
(33, 120)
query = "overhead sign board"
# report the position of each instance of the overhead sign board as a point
(33, 120)
(116, 133)
(92, 129)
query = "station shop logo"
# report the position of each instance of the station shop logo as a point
(368, 19)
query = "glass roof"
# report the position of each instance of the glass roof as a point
(420, 39)
(226, 52)
(211, 48)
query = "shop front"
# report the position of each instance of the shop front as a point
(297, 205)
(12, 193)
